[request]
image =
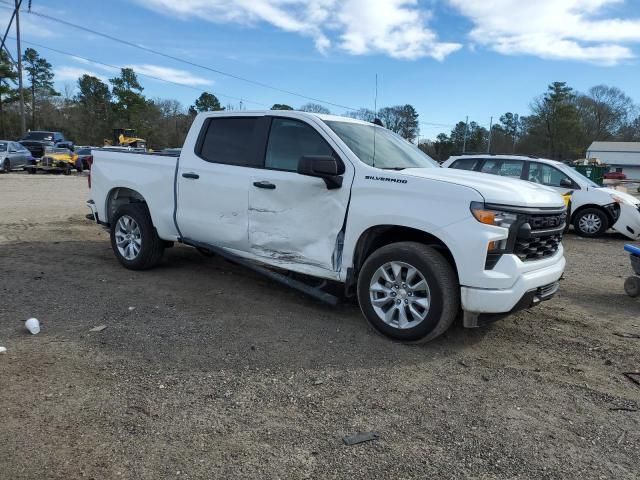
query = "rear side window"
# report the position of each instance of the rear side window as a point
(230, 141)
(465, 164)
(505, 168)
(289, 140)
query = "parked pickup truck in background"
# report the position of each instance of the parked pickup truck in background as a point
(344, 201)
(37, 141)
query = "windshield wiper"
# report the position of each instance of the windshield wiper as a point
(393, 168)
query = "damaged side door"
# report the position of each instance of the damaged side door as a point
(296, 221)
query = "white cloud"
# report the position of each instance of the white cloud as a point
(397, 28)
(553, 29)
(171, 74)
(66, 73)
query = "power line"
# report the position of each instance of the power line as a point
(73, 55)
(187, 62)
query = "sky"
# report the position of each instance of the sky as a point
(448, 58)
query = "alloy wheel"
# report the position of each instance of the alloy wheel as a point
(400, 295)
(128, 237)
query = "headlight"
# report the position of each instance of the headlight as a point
(487, 216)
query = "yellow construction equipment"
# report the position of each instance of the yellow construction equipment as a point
(125, 137)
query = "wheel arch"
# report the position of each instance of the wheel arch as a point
(120, 196)
(602, 208)
(379, 236)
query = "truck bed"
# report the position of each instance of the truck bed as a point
(151, 175)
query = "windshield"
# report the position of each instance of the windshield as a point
(39, 136)
(380, 147)
(57, 150)
(576, 175)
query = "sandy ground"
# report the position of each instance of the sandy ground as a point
(206, 370)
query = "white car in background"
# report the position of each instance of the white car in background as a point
(594, 209)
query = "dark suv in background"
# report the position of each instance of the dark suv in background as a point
(36, 141)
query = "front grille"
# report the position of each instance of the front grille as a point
(537, 248)
(543, 237)
(36, 150)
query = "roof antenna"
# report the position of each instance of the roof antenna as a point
(376, 121)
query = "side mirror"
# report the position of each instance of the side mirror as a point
(566, 183)
(322, 166)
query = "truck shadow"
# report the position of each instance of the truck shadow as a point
(203, 312)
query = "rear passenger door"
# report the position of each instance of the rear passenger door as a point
(213, 180)
(295, 221)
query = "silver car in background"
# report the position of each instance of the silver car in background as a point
(13, 156)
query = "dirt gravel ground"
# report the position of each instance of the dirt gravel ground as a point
(206, 370)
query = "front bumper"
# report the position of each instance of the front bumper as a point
(530, 288)
(628, 222)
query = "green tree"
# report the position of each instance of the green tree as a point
(281, 106)
(94, 109)
(555, 121)
(207, 102)
(40, 77)
(8, 91)
(401, 119)
(127, 91)
(409, 127)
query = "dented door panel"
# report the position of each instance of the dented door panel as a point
(296, 225)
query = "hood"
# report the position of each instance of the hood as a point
(494, 189)
(625, 196)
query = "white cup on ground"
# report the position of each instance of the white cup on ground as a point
(33, 325)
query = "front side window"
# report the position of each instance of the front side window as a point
(465, 164)
(546, 175)
(230, 141)
(504, 168)
(290, 140)
(3, 146)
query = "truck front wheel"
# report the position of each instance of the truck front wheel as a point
(134, 239)
(408, 291)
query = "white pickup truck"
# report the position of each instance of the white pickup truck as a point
(344, 201)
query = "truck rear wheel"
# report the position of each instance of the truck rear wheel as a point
(134, 239)
(408, 291)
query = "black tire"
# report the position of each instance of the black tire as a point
(32, 170)
(594, 215)
(152, 247)
(632, 286)
(443, 288)
(66, 169)
(6, 166)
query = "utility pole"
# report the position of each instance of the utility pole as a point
(23, 123)
(466, 127)
(490, 130)
(515, 135)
